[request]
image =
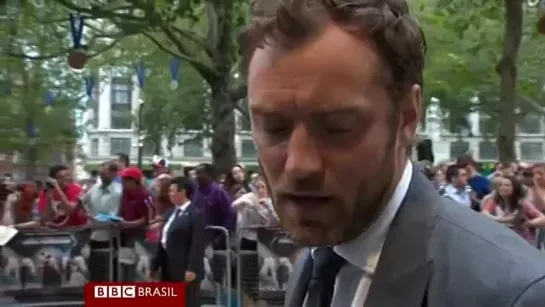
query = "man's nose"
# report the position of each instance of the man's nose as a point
(303, 156)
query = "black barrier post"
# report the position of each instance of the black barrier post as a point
(228, 266)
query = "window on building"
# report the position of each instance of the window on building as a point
(94, 148)
(194, 148)
(488, 151)
(120, 145)
(121, 98)
(531, 123)
(92, 105)
(532, 151)
(248, 149)
(458, 148)
(149, 148)
(487, 125)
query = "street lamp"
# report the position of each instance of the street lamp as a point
(141, 135)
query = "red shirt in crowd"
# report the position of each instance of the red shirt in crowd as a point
(72, 192)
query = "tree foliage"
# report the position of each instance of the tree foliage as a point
(25, 126)
(484, 50)
(200, 32)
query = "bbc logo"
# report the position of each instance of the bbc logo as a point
(115, 291)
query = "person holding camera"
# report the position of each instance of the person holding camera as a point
(58, 203)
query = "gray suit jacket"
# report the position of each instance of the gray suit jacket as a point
(440, 254)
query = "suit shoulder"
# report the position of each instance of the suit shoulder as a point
(467, 245)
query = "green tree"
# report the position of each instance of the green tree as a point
(26, 127)
(201, 33)
(166, 112)
(484, 50)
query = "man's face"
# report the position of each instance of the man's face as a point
(176, 197)
(121, 163)
(539, 176)
(202, 177)
(192, 174)
(330, 140)
(105, 175)
(63, 177)
(461, 179)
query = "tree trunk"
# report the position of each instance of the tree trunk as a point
(222, 109)
(507, 70)
(223, 128)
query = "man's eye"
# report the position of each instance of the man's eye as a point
(276, 129)
(337, 129)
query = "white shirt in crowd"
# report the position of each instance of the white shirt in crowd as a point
(460, 196)
(251, 213)
(102, 199)
(362, 254)
(178, 211)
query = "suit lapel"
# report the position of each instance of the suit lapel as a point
(404, 269)
(182, 216)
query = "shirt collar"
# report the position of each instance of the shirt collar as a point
(454, 190)
(184, 206)
(370, 241)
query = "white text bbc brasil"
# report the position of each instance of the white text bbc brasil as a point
(133, 291)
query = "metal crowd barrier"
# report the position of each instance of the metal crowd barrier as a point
(44, 262)
(62, 255)
(275, 255)
(226, 253)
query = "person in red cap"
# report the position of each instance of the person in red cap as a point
(136, 202)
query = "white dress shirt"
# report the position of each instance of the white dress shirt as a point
(178, 211)
(362, 254)
(460, 196)
(102, 199)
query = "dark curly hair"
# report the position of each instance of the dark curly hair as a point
(394, 31)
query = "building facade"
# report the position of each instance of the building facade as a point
(478, 138)
(111, 128)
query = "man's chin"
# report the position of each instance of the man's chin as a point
(313, 236)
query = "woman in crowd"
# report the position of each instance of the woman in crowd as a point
(507, 205)
(254, 209)
(236, 178)
(162, 204)
(536, 196)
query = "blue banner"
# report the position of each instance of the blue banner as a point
(89, 85)
(77, 23)
(31, 131)
(49, 99)
(141, 73)
(175, 64)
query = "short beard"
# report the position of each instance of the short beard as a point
(369, 207)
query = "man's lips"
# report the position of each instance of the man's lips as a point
(308, 201)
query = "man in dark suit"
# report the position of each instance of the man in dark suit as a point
(335, 98)
(180, 254)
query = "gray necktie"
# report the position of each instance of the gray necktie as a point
(326, 266)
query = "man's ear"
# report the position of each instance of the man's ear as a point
(410, 113)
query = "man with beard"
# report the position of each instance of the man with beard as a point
(335, 97)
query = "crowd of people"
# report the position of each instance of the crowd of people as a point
(237, 201)
(513, 194)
